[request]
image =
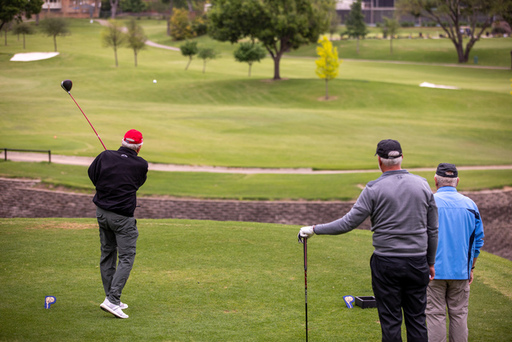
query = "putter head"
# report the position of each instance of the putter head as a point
(66, 85)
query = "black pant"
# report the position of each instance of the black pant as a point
(401, 283)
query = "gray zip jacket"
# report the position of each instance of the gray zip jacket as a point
(403, 214)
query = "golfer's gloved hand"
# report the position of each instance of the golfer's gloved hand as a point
(305, 232)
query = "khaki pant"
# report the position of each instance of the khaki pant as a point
(451, 296)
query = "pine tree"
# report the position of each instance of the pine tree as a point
(356, 28)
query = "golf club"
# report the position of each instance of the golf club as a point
(305, 241)
(67, 85)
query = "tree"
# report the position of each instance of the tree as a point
(180, 25)
(6, 28)
(135, 38)
(178, 4)
(113, 36)
(189, 49)
(206, 54)
(327, 65)
(113, 8)
(249, 52)
(506, 14)
(450, 15)
(279, 25)
(356, 28)
(390, 28)
(133, 6)
(334, 21)
(17, 9)
(23, 28)
(54, 27)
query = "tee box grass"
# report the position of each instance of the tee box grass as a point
(208, 281)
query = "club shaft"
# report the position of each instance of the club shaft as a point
(306, 283)
(88, 121)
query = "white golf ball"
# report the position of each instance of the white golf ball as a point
(154, 81)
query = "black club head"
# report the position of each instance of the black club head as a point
(66, 85)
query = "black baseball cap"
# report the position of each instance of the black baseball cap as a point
(385, 147)
(447, 170)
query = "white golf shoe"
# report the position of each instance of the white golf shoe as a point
(121, 305)
(115, 310)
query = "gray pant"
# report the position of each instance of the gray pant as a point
(118, 235)
(454, 296)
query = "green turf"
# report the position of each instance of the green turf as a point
(243, 186)
(225, 118)
(208, 281)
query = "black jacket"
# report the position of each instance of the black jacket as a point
(117, 176)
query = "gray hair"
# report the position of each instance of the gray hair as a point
(134, 147)
(392, 161)
(446, 181)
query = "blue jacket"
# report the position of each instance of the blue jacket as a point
(461, 234)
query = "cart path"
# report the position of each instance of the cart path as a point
(86, 161)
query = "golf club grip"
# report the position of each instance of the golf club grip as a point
(101, 141)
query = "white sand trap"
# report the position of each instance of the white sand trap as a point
(32, 56)
(430, 85)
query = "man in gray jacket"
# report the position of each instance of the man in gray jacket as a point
(404, 221)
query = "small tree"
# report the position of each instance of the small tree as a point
(112, 36)
(327, 65)
(205, 54)
(249, 53)
(136, 39)
(23, 28)
(55, 27)
(180, 25)
(356, 28)
(334, 21)
(189, 49)
(6, 29)
(390, 27)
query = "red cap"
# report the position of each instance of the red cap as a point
(133, 137)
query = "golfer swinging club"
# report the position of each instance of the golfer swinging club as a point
(404, 224)
(117, 175)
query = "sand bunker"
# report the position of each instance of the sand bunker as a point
(430, 85)
(32, 56)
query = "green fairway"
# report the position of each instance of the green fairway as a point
(208, 281)
(225, 118)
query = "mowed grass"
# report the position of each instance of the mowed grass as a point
(208, 281)
(243, 186)
(225, 118)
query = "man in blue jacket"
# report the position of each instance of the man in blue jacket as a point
(117, 175)
(404, 225)
(461, 235)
